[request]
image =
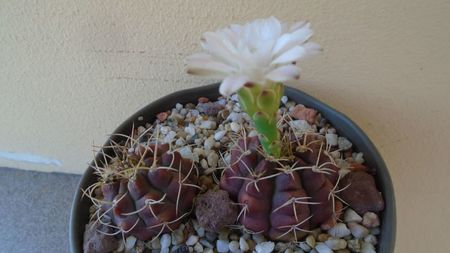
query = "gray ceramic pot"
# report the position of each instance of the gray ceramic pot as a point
(80, 207)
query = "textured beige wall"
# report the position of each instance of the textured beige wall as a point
(71, 71)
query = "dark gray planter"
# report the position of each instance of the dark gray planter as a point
(80, 207)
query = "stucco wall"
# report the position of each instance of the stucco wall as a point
(71, 71)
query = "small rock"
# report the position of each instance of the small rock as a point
(214, 210)
(208, 124)
(280, 246)
(332, 139)
(235, 127)
(253, 133)
(181, 249)
(342, 251)
(304, 246)
(258, 238)
(344, 143)
(358, 158)
(180, 142)
(198, 229)
(192, 240)
(367, 248)
(166, 240)
(208, 250)
(301, 125)
(179, 106)
(130, 242)
(371, 239)
(243, 245)
(265, 247)
(311, 241)
(213, 158)
(165, 250)
(361, 192)
(165, 129)
(162, 116)
(251, 244)
(190, 130)
(234, 237)
(284, 99)
(322, 237)
(198, 247)
(323, 248)
(288, 250)
(352, 216)
(211, 236)
(297, 250)
(234, 246)
(210, 109)
(354, 245)
(186, 152)
(339, 230)
(169, 137)
(336, 244)
(155, 243)
(222, 246)
(207, 244)
(209, 143)
(219, 135)
(357, 230)
(370, 220)
(223, 234)
(302, 113)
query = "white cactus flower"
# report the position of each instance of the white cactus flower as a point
(262, 51)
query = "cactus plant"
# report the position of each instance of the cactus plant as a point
(283, 198)
(147, 189)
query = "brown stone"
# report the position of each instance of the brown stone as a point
(303, 113)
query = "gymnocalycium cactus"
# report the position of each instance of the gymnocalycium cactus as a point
(147, 189)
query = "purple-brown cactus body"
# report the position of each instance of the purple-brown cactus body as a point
(281, 203)
(153, 200)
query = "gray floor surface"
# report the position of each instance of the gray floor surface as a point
(34, 211)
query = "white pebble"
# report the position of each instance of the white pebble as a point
(207, 244)
(265, 247)
(370, 220)
(208, 124)
(288, 250)
(358, 158)
(344, 143)
(179, 106)
(209, 143)
(304, 246)
(311, 241)
(234, 246)
(357, 230)
(192, 240)
(352, 216)
(252, 133)
(332, 139)
(375, 231)
(180, 142)
(235, 117)
(169, 137)
(165, 129)
(258, 238)
(336, 244)
(222, 246)
(198, 248)
(198, 229)
(235, 127)
(371, 239)
(156, 244)
(186, 152)
(213, 158)
(301, 125)
(130, 241)
(166, 240)
(219, 135)
(165, 250)
(208, 250)
(243, 245)
(323, 248)
(339, 230)
(284, 99)
(190, 130)
(367, 248)
(177, 237)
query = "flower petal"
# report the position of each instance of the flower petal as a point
(203, 64)
(295, 38)
(231, 84)
(291, 55)
(284, 73)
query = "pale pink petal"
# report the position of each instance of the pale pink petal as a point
(231, 84)
(290, 56)
(284, 73)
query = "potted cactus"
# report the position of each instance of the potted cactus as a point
(235, 171)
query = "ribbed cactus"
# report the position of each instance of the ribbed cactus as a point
(261, 103)
(282, 198)
(148, 190)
